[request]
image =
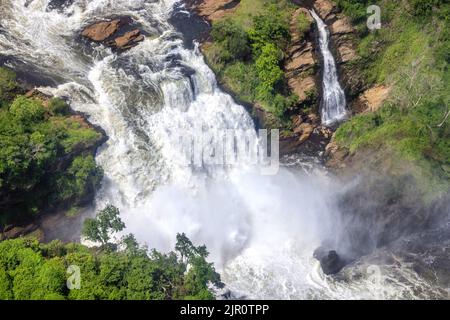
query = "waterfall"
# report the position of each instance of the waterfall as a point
(261, 230)
(333, 103)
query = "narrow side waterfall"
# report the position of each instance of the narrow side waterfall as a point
(334, 103)
(261, 230)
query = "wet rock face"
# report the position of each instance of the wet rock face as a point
(102, 30)
(330, 261)
(129, 39)
(114, 33)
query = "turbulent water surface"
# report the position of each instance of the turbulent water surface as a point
(261, 230)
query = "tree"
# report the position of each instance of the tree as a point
(267, 66)
(271, 27)
(27, 110)
(106, 222)
(233, 40)
(33, 270)
(131, 245)
(184, 246)
(7, 86)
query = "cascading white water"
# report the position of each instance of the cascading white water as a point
(334, 103)
(261, 230)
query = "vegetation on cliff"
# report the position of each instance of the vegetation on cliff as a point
(410, 54)
(45, 153)
(247, 53)
(33, 270)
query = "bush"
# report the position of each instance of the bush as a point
(278, 104)
(81, 178)
(303, 23)
(270, 27)
(269, 71)
(27, 110)
(7, 86)
(35, 150)
(354, 9)
(248, 62)
(58, 106)
(424, 7)
(233, 40)
(242, 78)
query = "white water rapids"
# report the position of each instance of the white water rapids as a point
(261, 230)
(334, 103)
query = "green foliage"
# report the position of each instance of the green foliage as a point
(410, 55)
(82, 177)
(242, 78)
(270, 27)
(27, 110)
(303, 23)
(248, 51)
(5, 285)
(233, 40)
(424, 7)
(29, 270)
(269, 71)
(8, 86)
(43, 158)
(58, 106)
(354, 9)
(107, 221)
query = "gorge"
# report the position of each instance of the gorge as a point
(261, 231)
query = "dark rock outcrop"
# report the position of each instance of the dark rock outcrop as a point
(330, 261)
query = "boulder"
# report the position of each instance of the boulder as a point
(330, 261)
(304, 130)
(101, 31)
(129, 39)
